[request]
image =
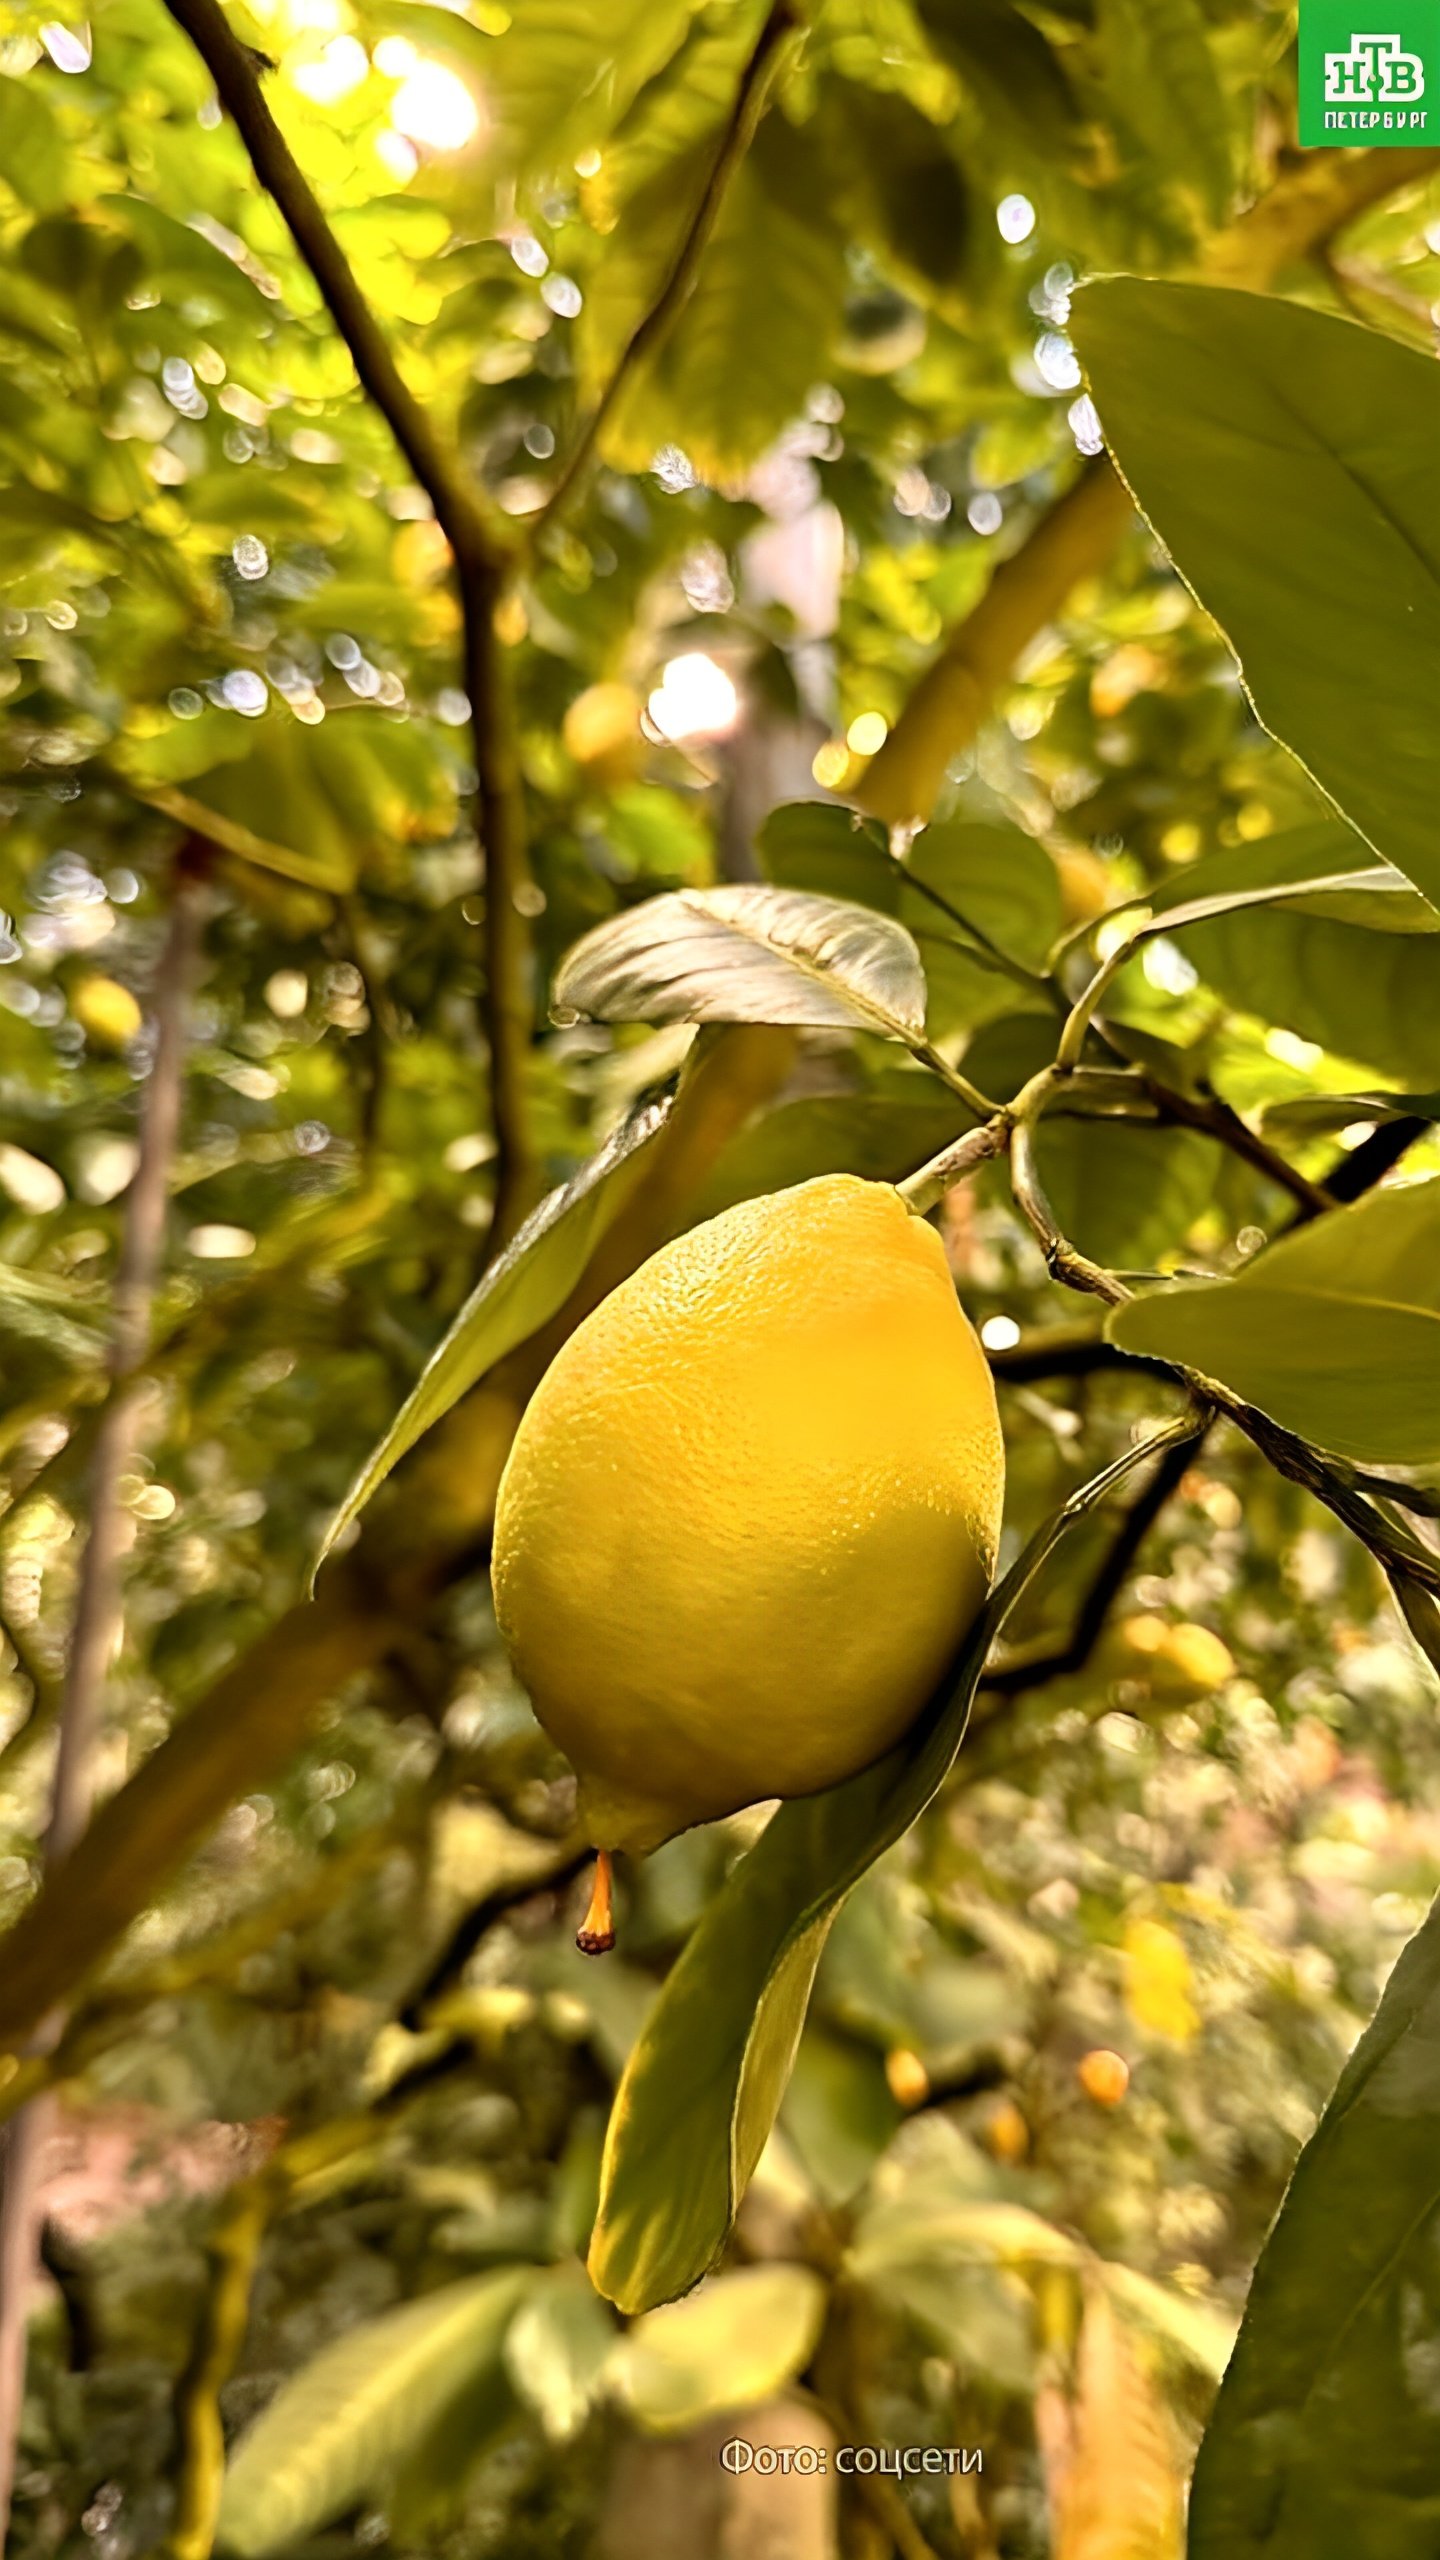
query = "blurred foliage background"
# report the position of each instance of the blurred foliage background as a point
(1069, 2036)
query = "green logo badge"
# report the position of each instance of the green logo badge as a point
(1369, 75)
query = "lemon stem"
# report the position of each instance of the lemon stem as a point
(596, 1933)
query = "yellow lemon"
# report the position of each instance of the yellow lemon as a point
(601, 730)
(751, 1510)
(106, 1011)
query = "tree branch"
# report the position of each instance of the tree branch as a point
(1350, 1177)
(1076, 537)
(1073, 540)
(1217, 1120)
(482, 566)
(233, 68)
(749, 105)
(1023, 1670)
(97, 1607)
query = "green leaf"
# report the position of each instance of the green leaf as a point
(1125, 1194)
(995, 877)
(884, 1132)
(759, 322)
(358, 2416)
(55, 1314)
(838, 2112)
(32, 150)
(557, 2348)
(1193, 2332)
(1285, 459)
(1330, 1111)
(995, 880)
(520, 1292)
(1319, 869)
(1014, 74)
(736, 2342)
(1161, 76)
(1322, 2443)
(951, 2262)
(961, 2230)
(911, 203)
(701, 2090)
(558, 76)
(1335, 1331)
(743, 954)
(1359, 995)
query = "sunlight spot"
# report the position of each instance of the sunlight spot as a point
(220, 1244)
(1167, 968)
(329, 76)
(999, 1333)
(694, 699)
(867, 733)
(1292, 1051)
(433, 106)
(69, 48)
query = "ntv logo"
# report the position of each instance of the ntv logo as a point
(1374, 81)
(1375, 71)
(1357, 84)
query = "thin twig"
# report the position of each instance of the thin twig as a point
(1400, 1554)
(1422, 1499)
(1022, 1670)
(483, 562)
(1063, 1260)
(97, 1607)
(745, 114)
(939, 1065)
(1205, 1111)
(922, 1190)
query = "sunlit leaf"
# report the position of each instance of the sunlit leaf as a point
(742, 954)
(557, 2348)
(1335, 1330)
(361, 2412)
(1114, 2476)
(737, 2341)
(1363, 995)
(1243, 424)
(1165, 86)
(1319, 869)
(533, 1277)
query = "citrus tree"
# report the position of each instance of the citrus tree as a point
(608, 612)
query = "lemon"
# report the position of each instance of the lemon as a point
(106, 1011)
(751, 1510)
(601, 730)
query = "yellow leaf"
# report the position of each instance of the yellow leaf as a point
(1158, 1981)
(1110, 2461)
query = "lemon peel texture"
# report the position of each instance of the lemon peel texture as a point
(751, 1510)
